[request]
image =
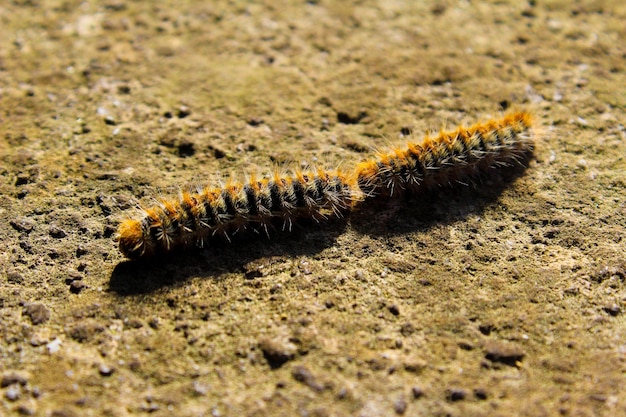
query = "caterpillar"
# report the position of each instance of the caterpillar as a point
(197, 215)
(449, 157)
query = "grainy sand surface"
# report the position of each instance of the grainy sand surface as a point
(503, 299)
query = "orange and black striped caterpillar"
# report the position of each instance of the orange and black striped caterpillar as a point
(197, 216)
(455, 156)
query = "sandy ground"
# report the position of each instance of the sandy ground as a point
(503, 299)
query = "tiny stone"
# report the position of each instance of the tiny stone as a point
(465, 345)
(22, 179)
(15, 277)
(613, 309)
(557, 96)
(12, 379)
(56, 232)
(154, 323)
(485, 329)
(217, 152)
(22, 225)
(25, 411)
(255, 121)
(13, 393)
(400, 406)
(417, 392)
(81, 250)
(415, 366)
(276, 289)
(106, 370)
(407, 329)
(73, 276)
(598, 397)
(455, 394)
(38, 313)
(200, 388)
(302, 374)
(394, 309)
(480, 394)
(254, 273)
(134, 365)
(506, 353)
(183, 111)
(277, 352)
(77, 286)
(63, 413)
(54, 346)
(134, 324)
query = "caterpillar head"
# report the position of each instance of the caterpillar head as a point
(131, 239)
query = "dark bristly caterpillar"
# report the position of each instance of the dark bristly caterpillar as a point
(196, 216)
(455, 156)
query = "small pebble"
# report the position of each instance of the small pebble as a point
(81, 250)
(503, 353)
(15, 277)
(22, 179)
(106, 370)
(455, 394)
(56, 232)
(394, 309)
(200, 388)
(54, 346)
(480, 394)
(38, 313)
(13, 393)
(183, 111)
(302, 374)
(613, 309)
(506, 353)
(417, 392)
(277, 352)
(12, 379)
(399, 406)
(22, 225)
(24, 410)
(76, 287)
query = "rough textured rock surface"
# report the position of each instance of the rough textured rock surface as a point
(506, 298)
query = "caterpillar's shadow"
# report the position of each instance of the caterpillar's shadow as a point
(392, 216)
(221, 257)
(440, 206)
